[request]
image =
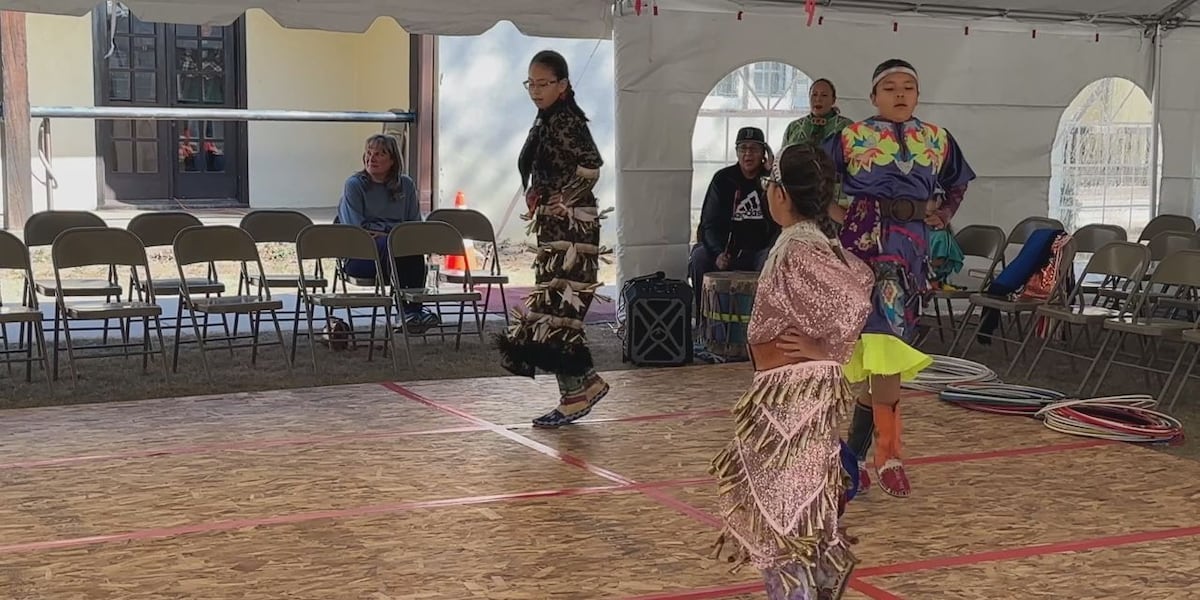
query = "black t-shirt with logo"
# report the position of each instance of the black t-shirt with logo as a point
(735, 216)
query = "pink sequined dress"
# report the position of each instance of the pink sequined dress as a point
(780, 477)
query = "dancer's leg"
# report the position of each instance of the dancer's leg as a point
(862, 429)
(885, 399)
(579, 393)
(777, 587)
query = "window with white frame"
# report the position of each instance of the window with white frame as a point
(1101, 168)
(727, 87)
(767, 95)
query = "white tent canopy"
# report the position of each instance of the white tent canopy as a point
(997, 86)
(556, 18)
(985, 76)
(1094, 11)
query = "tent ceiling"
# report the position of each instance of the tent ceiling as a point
(556, 18)
(1107, 11)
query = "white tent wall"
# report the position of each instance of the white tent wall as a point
(999, 90)
(1179, 116)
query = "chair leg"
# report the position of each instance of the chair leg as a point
(37, 329)
(962, 326)
(1112, 357)
(279, 334)
(504, 305)
(162, 346)
(1025, 342)
(312, 340)
(200, 341)
(179, 334)
(1054, 327)
(479, 319)
(1079, 391)
(389, 339)
(57, 331)
(70, 349)
(975, 335)
(1186, 374)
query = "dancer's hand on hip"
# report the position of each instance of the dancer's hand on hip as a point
(797, 345)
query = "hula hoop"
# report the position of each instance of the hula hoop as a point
(1001, 399)
(947, 371)
(1117, 418)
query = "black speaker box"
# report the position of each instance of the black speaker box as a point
(658, 321)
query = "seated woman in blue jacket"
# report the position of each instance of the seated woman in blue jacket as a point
(378, 198)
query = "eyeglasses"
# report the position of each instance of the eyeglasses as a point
(748, 149)
(537, 85)
(767, 180)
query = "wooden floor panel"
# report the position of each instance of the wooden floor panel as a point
(442, 490)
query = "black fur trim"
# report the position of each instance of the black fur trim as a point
(523, 357)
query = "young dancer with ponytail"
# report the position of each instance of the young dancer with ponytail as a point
(782, 483)
(892, 166)
(559, 166)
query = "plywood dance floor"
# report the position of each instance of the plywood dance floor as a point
(439, 490)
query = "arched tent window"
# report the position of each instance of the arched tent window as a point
(767, 95)
(1101, 162)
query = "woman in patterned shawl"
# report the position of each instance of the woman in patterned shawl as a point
(893, 166)
(824, 118)
(559, 166)
(782, 483)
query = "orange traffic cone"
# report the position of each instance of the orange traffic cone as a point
(456, 263)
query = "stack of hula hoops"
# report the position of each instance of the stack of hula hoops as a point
(1118, 418)
(947, 371)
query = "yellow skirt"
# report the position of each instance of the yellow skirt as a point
(882, 354)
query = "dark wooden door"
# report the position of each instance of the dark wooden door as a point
(162, 65)
(203, 77)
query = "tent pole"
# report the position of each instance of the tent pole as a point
(1155, 118)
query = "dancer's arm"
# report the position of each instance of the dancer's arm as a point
(954, 176)
(575, 139)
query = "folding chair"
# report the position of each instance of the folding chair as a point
(1015, 307)
(224, 243)
(1180, 269)
(475, 226)
(14, 256)
(41, 229)
(977, 241)
(112, 248)
(158, 230)
(1165, 223)
(342, 242)
(424, 238)
(277, 227)
(1120, 264)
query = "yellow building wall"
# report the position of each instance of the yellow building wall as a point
(60, 74)
(291, 165)
(298, 165)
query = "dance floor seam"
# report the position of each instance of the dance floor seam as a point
(857, 583)
(662, 485)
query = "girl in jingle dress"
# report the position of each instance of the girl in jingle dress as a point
(892, 166)
(559, 166)
(782, 480)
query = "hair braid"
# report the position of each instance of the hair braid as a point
(807, 174)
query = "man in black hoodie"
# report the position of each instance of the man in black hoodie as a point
(736, 230)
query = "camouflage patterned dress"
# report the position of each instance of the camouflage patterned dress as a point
(560, 165)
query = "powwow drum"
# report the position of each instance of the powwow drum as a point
(726, 300)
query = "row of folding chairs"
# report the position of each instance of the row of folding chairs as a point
(1139, 289)
(163, 229)
(991, 246)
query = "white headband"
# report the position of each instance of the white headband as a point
(892, 71)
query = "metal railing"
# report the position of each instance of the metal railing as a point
(46, 113)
